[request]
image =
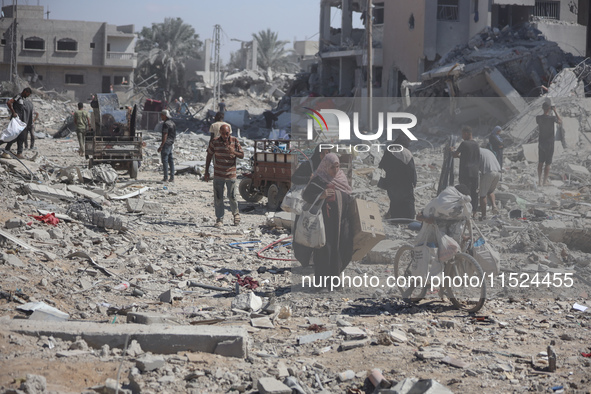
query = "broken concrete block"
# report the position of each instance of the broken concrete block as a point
(398, 336)
(272, 386)
(50, 192)
(314, 337)
(348, 345)
(141, 246)
(262, 322)
(86, 193)
(231, 348)
(56, 233)
(454, 362)
(134, 205)
(247, 302)
(150, 362)
(11, 259)
(353, 332)
(166, 297)
(14, 223)
(553, 229)
(151, 268)
(151, 338)
(147, 318)
(39, 235)
(48, 316)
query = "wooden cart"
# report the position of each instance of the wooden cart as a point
(273, 164)
(114, 139)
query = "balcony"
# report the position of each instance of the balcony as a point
(121, 59)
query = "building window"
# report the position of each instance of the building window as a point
(75, 79)
(3, 42)
(547, 9)
(34, 43)
(119, 80)
(447, 10)
(411, 22)
(92, 45)
(378, 14)
(67, 44)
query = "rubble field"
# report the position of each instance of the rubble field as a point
(154, 284)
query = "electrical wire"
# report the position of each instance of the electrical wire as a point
(270, 246)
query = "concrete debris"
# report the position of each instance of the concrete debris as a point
(208, 334)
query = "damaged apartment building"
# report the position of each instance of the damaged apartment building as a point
(410, 37)
(74, 58)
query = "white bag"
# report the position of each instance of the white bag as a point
(310, 230)
(488, 258)
(14, 128)
(293, 200)
(425, 261)
(447, 246)
(449, 204)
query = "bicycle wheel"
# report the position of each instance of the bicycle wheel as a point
(403, 263)
(469, 293)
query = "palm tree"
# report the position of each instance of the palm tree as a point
(271, 51)
(163, 50)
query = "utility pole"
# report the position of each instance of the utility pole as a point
(369, 28)
(13, 42)
(217, 83)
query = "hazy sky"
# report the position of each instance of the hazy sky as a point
(238, 18)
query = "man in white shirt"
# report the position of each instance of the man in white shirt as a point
(490, 173)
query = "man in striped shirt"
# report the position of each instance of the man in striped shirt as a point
(225, 149)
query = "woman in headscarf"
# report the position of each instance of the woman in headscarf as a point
(303, 173)
(330, 184)
(401, 178)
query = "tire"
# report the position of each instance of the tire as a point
(402, 267)
(133, 169)
(274, 198)
(465, 297)
(249, 196)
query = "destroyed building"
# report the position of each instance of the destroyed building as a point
(408, 38)
(50, 56)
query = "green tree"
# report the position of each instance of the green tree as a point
(271, 51)
(164, 49)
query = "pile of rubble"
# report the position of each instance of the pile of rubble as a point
(135, 274)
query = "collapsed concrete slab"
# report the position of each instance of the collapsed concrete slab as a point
(504, 89)
(49, 192)
(228, 341)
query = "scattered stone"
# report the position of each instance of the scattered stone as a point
(14, 223)
(262, 322)
(272, 386)
(247, 302)
(149, 362)
(314, 337)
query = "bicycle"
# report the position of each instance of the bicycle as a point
(465, 296)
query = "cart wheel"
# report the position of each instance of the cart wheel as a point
(274, 197)
(403, 262)
(133, 168)
(471, 294)
(246, 193)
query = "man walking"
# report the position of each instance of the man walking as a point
(225, 149)
(546, 124)
(469, 154)
(496, 144)
(214, 129)
(20, 106)
(82, 124)
(490, 173)
(165, 149)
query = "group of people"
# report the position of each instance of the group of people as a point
(22, 107)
